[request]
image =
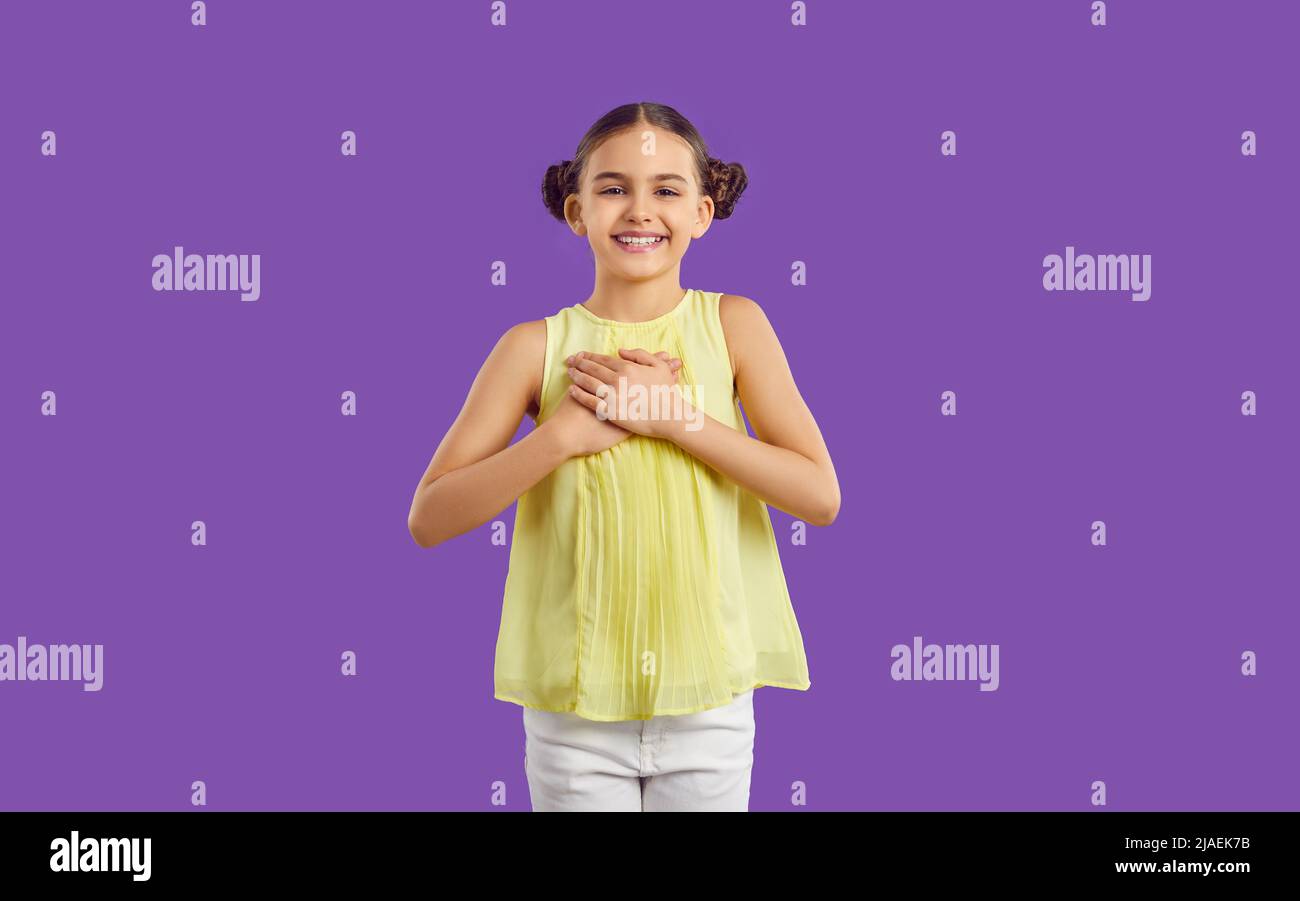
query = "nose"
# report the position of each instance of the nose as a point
(638, 211)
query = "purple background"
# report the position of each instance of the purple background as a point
(221, 662)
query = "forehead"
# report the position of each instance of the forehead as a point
(641, 148)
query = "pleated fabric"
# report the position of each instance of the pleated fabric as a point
(641, 581)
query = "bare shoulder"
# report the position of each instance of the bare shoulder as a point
(745, 326)
(526, 336)
(521, 351)
(742, 315)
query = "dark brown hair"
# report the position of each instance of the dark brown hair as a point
(724, 182)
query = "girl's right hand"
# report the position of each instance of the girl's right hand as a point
(581, 430)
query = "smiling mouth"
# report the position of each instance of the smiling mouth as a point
(639, 245)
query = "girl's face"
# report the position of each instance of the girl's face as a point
(640, 182)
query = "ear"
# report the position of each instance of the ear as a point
(573, 214)
(704, 217)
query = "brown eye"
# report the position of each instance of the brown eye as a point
(671, 192)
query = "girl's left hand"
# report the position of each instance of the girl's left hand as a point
(647, 381)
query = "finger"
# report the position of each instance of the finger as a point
(584, 363)
(597, 400)
(675, 364)
(599, 403)
(638, 355)
(586, 398)
(568, 361)
(588, 382)
(603, 359)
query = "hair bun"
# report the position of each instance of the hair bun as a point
(727, 182)
(557, 185)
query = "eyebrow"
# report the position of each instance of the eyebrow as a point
(663, 176)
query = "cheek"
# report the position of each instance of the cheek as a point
(680, 221)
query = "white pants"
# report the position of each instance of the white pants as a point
(685, 762)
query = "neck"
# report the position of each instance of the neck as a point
(639, 301)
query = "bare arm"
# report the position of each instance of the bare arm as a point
(787, 465)
(476, 473)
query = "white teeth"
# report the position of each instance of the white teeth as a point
(638, 240)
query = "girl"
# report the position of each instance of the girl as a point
(645, 598)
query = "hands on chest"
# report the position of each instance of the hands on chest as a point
(611, 397)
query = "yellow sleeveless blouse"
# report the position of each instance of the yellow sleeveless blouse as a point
(642, 582)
